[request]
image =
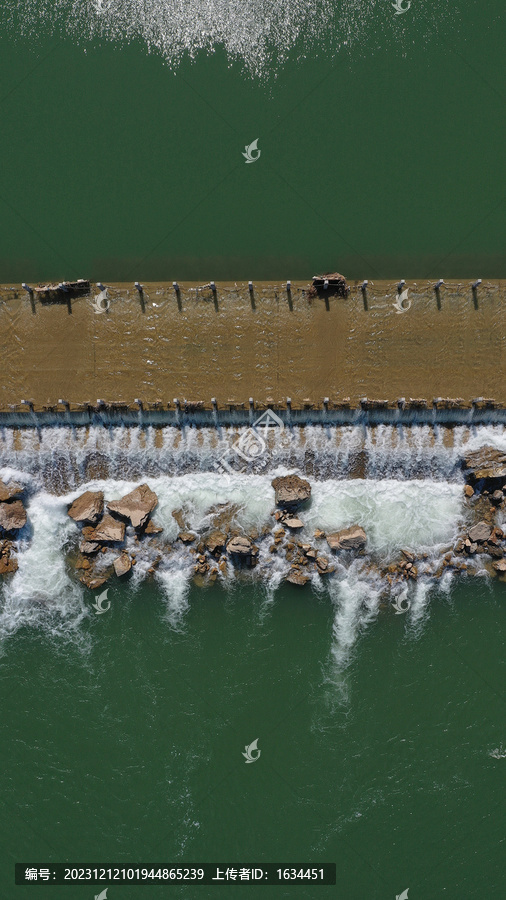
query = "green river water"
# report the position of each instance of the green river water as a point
(124, 744)
(381, 138)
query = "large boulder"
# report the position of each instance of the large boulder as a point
(10, 491)
(486, 464)
(479, 532)
(136, 506)
(12, 515)
(109, 530)
(122, 565)
(291, 490)
(88, 507)
(297, 576)
(216, 542)
(352, 538)
(241, 546)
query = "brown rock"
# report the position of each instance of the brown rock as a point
(151, 528)
(94, 581)
(12, 515)
(241, 546)
(468, 491)
(186, 537)
(293, 522)
(122, 565)
(108, 529)
(291, 490)
(180, 516)
(408, 555)
(222, 566)
(500, 566)
(319, 534)
(89, 547)
(82, 563)
(216, 542)
(497, 497)
(487, 464)
(295, 576)
(88, 507)
(352, 538)
(136, 506)
(8, 563)
(480, 532)
(322, 564)
(10, 491)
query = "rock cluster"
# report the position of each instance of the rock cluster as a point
(12, 519)
(106, 531)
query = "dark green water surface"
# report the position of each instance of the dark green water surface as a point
(384, 158)
(125, 745)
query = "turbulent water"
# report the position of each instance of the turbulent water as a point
(404, 486)
(259, 33)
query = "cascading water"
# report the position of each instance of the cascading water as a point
(409, 494)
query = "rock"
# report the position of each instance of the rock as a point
(486, 464)
(500, 566)
(222, 566)
(468, 491)
(293, 522)
(180, 516)
(122, 565)
(10, 491)
(88, 507)
(108, 529)
(497, 497)
(82, 563)
(291, 490)
(241, 546)
(459, 546)
(407, 554)
(12, 515)
(311, 553)
(136, 506)
(352, 538)
(319, 534)
(322, 564)
(151, 528)
(89, 547)
(8, 563)
(216, 542)
(94, 581)
(295, 576)
(479, 532)
(186, 537)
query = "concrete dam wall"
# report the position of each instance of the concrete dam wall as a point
(386, 353)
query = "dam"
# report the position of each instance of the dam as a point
(220, 354)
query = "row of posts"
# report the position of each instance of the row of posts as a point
(365, 404)
(212, 285)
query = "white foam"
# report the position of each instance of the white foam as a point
(259, 33)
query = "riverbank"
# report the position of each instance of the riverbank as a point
(372, 354)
